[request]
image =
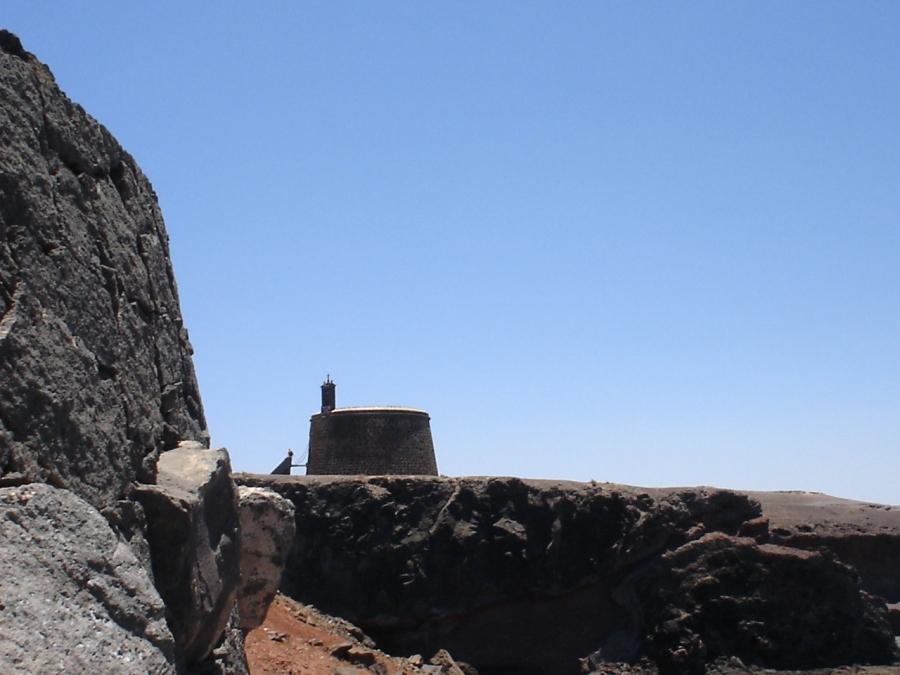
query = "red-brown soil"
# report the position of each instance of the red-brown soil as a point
(296, 639)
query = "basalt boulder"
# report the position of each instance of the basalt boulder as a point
(194, 535)
(267, 534)
(73, 596)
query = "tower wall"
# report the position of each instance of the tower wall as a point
(371, 441)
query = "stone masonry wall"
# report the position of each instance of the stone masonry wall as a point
(371, 442)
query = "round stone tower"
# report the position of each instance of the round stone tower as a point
(369, 441)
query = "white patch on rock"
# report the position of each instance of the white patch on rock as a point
(267, 533)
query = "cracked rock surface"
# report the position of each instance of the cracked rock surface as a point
(73, 597)
(424, 563)
(194, 536)
(94, 358)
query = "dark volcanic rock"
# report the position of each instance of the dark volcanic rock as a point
(530, 576)
(866, 536)
(768, 605)
(94, 359)
(429, 563)
(228, 657)
(98, 386)
(73, 597)
(193, 530)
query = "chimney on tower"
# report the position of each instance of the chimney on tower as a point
(327, 395)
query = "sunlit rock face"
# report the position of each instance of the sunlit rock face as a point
(98, 399)
(73, 597)
(95, 362)
(267, 534)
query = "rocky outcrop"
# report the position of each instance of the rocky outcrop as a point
(863, 535)
(771, 606)
(193, 530)
(98, 384)
(559, 570)
(73, 597)
(94, 358)
(267, 534)
(228, 657)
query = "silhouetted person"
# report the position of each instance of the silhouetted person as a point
(284, 469)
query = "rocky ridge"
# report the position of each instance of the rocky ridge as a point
(571, 574)
(863, 535)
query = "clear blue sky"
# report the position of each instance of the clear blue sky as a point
(649, 243)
